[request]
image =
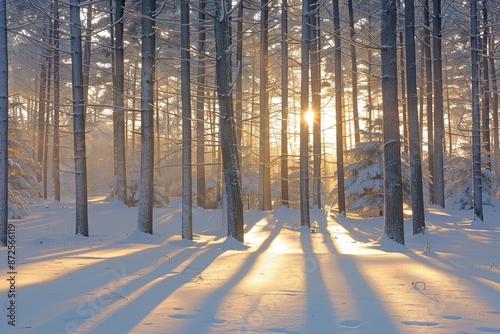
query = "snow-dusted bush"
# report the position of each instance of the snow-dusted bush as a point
(458, 175)
(294, 189)
(364, 179)
(160, 198)
(22, 179)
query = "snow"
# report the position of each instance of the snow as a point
(337, 277)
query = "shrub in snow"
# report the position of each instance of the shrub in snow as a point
(160, 197)
(458, 175)
(294, 188)
(364, 179)
(212, 194)
(22, 179)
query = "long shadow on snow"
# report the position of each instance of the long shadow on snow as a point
(320, 312)
(213, 302)
(362, 293)
(322, 225)
(131, 313)
(96, 278)
(462, 273)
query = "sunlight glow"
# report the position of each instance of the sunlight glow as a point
(310, 117)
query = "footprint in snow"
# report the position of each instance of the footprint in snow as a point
(350, 323)
(488, 329)
(182, 316)
(452, 317)
(420, 323)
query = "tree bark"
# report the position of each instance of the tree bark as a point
(438, 105)
(200, 110)
(477, 194)
(354, 69)
(57, 97)
(119, 103)
(4, 124)
(417, 195)
(239, 74)
(393, 221)
(429, 83)
(304, 126)
(284, 103)
(79, 120)
(339, 108)
(265, 156)
(494, 105)
(485, 124)
(42, 109)
(146, 191)
(229, 149)
(315, 55)
(187, 195)
(87, 51)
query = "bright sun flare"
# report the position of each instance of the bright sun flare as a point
(310, 117)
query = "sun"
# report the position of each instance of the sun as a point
(309, 117)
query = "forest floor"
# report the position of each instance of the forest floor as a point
(334, 278)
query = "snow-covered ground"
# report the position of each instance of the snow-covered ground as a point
(333, 278)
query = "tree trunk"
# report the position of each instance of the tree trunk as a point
(494, 106)
(42, 109)
(45, 174)
(265, 157)
(134, 106)
(200, 110)
(304, 126)
(79, 120)
(485, 124)
(315, 55)
(146, 191)
(429, 106)
(119, 103)
(477, 195)
(417, 195)
(4, 123)
(338, 109)
(393, 212)
(284, 103)
(57, 97)
(239, 74)
(354, 69)
(403, 87)
(227, 127)
(438, 104)
(369, 82)
(87, 50)
(187, 196)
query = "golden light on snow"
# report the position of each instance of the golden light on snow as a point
(66, 263)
